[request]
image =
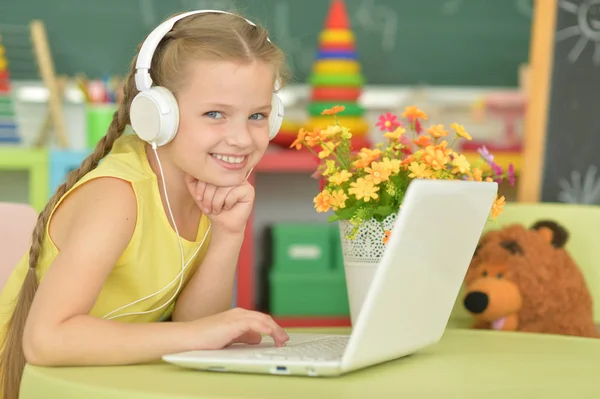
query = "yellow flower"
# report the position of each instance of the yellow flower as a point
(338, 199)
(346, 135)
(395, 135)
(461, 165)
(419, 171)
(378, 172)
(392, 165)
(413, 112)
(437, 131)
(364, 189)
(327, 149)
(323, 201)
(330, 132)
(497, 207)
(460, 131)
(340, 177)
(330, 167)
(477, 174)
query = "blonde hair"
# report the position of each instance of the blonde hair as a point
(197, 37)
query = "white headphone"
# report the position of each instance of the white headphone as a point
(154, 112)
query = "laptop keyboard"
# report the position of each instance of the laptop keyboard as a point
(322, 349)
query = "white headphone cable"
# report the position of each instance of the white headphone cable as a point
(183, 264)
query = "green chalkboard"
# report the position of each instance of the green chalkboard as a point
(438, 42)
(571, 162)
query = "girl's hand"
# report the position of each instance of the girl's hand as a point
(235, 326)
(228, 208)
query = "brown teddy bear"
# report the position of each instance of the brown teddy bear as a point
(523, 279)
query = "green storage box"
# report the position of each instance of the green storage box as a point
(301, 247)
(308, 294)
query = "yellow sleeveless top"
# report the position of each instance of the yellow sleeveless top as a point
(152, 258)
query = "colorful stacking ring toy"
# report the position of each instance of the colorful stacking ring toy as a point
(336, 36)
(336, 67)
(336, 55)
(322, 79)
(325, 93)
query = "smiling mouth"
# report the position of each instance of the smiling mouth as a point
(234, 160)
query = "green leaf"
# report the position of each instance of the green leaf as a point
(383, 211)
(384, 197)
(347, 213)
(333, 218)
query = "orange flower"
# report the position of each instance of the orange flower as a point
(497, 207)
(408, 160)
(378, 172)
(362, 163)
(298, 142)
(369, 153)
(437, 131)
(386, 236)
(366, 156)
(412, 113)
(442, 147)
(313, 138)
(477, 174)
(423, 141)
(323, 201)
(436, 157)
(333, 110)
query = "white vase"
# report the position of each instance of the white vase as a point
(362, 255)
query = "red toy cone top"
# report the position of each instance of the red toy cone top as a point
(337, 18)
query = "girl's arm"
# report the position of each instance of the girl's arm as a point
(91, 230)
(210, 289)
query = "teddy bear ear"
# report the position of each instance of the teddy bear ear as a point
(555, 233)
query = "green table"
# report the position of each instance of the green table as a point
(464, 364)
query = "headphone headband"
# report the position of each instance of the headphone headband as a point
(154, 112)
(143, 81)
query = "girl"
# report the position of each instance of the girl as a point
(116, 244)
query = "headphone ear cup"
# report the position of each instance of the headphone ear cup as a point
(275, 117)
(154, 115)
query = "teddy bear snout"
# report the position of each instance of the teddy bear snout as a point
(476, 302)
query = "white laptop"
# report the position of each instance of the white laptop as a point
(408, 303)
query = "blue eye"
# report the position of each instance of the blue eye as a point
(213, 114)
(258, 116)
